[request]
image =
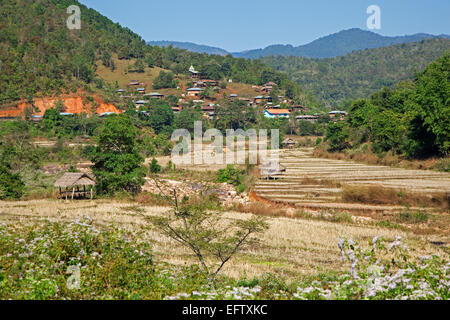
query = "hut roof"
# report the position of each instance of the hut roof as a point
(71, 179)
(272, 167)
(288, 141)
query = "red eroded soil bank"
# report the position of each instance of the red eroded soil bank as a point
(73, 104)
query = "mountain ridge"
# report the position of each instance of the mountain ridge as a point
(329, 46)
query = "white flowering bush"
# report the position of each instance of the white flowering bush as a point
(114, 264)
(383, 271)
(34, 261)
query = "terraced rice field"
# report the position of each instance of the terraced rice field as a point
(301, 166)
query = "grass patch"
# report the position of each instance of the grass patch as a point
(151, 199)
(389, 196)
(408, 216)
(388, 224)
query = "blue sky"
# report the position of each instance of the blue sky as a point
(238, 25)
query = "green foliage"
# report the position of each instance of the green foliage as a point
(117, 162)
(409, 216)
(231, 175)
(337, 136)
(154, 166)
(42, 57)
(161, 118)
(11, 185)
(413, 119)
(234, 115)
(431, 110)
(334, 80)
(164, 80)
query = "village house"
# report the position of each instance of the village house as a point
(270, 84)
(141, 90)
(134, 83)
(104, 114)
(260, 99)
(194, 92)
(307, 118)
(140, 103)
(266, 89)
(177, 109)
(233, 96)
(337, 115)
(154, 95)
(276, 113)
(298, 108)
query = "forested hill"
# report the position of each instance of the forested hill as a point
(360, 73)
(336, 44)
(40, 56)
(193, 47)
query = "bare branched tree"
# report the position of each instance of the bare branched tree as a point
(212, 238)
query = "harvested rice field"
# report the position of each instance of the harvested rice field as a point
(291, 247)
(317, 183)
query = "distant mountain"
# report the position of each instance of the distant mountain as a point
(337, 44)
(358, 74)
(198, 48)
(333, 45)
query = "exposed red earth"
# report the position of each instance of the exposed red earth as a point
(73, 104)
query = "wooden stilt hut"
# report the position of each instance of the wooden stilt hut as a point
(76, 185)
(288, 143)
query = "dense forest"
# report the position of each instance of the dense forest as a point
(338, 80)
(412, 120)
(40, 56)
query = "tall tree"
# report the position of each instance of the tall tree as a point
(117, 163)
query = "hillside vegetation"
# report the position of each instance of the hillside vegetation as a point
(40, 56)
(412, 120)
(360, 73)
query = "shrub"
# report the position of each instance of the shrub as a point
(11, 185)
(230, 175)
(154, 166)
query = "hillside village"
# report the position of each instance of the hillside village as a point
(191, 91)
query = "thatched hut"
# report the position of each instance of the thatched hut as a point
(271, 169)
(288, 143)
(77, 184)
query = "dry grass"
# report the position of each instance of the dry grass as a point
(381, 195)
(291, 247)
(323, 182)
(388, 159)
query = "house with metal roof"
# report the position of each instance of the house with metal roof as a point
(276, 113)
(155, 95)
(194, 92)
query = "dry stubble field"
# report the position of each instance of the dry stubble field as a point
(291, 247)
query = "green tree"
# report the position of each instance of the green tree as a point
(337, 136)
(11, 185)
(430, 125)
(117, 162)
(161, 118)
(154, 166)
(164, 80)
